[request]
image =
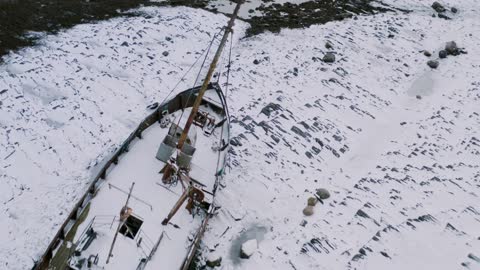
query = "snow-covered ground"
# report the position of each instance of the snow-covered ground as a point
(403, 171)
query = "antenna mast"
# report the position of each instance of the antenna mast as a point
(213, 65)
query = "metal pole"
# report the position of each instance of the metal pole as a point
(119, 225)
(213, 65)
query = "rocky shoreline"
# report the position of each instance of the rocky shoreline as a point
(25, 23)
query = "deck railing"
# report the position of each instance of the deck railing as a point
(180, 101)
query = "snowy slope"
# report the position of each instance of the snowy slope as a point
(69, 102)
(403, 172)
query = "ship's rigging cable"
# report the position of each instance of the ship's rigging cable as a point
(198, 74)
(189, 69)
(228, 68)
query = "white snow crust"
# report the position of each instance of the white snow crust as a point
(403, 172)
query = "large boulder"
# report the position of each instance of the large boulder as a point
(248, 248)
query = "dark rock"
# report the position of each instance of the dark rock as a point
(328, 45)
(433, 64)
(165, 53)
(454, 10)
(361, 213)
(214, 261)
(418, 97)
(124, 44)
(153, 106)
(473, 257)
(438, 7)
(443, 16)
(323, 193)
(452, 48)
(299, 132)
(329, 57)
(256, 62)
(384, 254)
(235, 141)
(271, 107)
(427, 53)
(442, 54)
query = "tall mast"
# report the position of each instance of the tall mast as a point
(213, 65)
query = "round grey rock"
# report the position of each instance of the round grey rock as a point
(442, 54)
(165, 53)
(323, 193)
(308, 211)
(433, 64)
(312, 201)
(328, 45)
(329, 57)
(454, 10)
(427, 53)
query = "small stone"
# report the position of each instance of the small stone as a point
(213, 260)
(438, 7)
(165, 53)
(427, 53)
(256, 62)
(451, 48)
(329, 45)
(248, 248)
(443, 16)
(303, 223)
(323, 193)
(433, 64)
(308, 211)
(454, 10)
(442, 54)
(312, 201)
(124, 44)
(419, 97)
(329, 57)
